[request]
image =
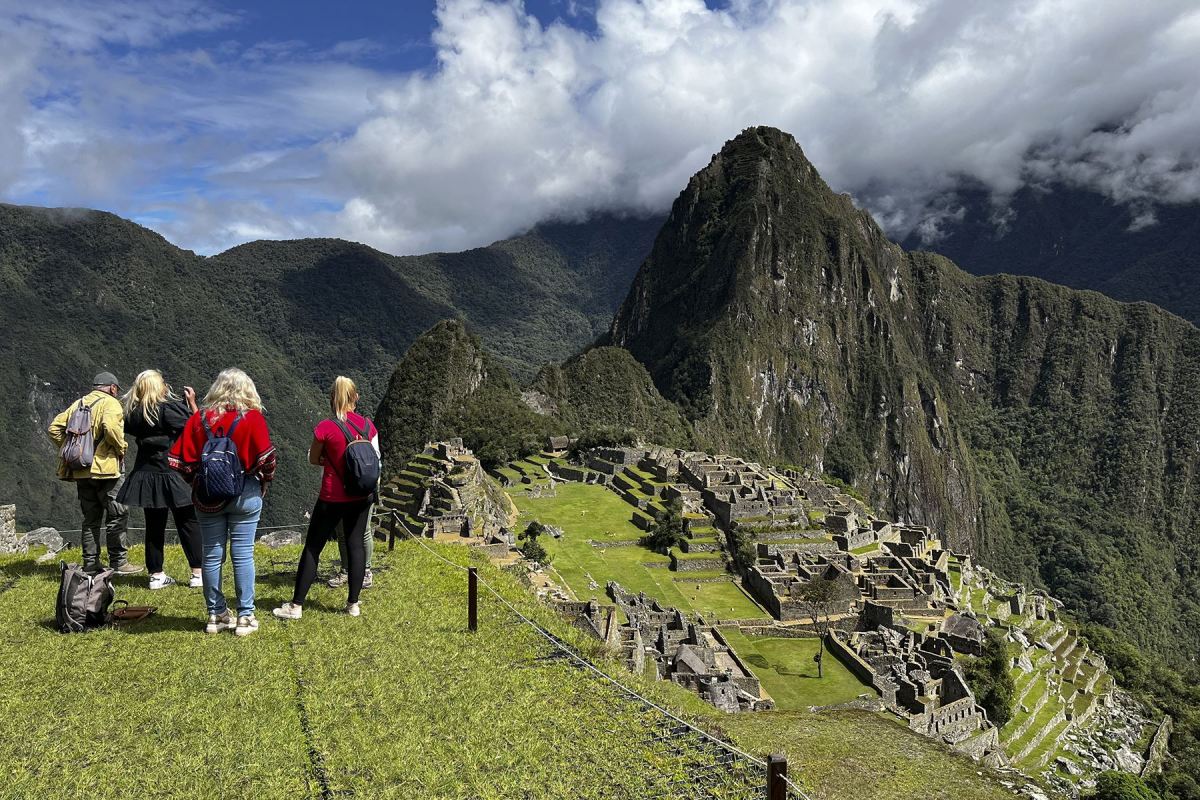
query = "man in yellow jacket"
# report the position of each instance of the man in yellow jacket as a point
(98, 484)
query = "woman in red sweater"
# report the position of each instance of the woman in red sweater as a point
(231, 409)
(334, 503)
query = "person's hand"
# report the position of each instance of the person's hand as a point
(189, 395)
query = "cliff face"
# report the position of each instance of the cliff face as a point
(1050, 430)
(786, 325)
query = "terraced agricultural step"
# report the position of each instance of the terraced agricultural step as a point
(706, 545)
(1040, 755)
(623, 481)
(779, 537)
(1039, 730)
(643, 481)
(1010, 735)
(1066, 648)
(690, 562)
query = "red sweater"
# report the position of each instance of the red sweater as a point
(251, 436)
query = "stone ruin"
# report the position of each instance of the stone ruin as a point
(903, 625)
(444, 493)
(8, 529)
(908, 575)
(917, 679)
(686, 652)
(13, 542)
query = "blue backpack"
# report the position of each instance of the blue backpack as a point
(222, 475)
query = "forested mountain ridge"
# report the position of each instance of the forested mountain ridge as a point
(1054, 432)
(1078, 238)
(86, 290)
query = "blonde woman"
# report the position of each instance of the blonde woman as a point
(336, 503)
(155, 418)
(231, 410)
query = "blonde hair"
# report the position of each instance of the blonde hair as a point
(343, 397)
(232, 389)
(148, 392)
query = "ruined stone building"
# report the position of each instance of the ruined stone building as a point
(684, 651)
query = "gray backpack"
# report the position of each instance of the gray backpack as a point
(79, 447)
(83, 599)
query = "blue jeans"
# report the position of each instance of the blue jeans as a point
(235, 525)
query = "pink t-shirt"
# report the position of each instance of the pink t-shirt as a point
(334, 459)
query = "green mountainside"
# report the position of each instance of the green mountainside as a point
(448, 385)
(605, 388)
(1078, 238)
(86, 290)
(1051, 431)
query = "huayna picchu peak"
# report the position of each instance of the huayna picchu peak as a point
(1050, 431)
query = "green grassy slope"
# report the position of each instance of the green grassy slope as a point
(600, 543)
(400, 703)
(788, 673)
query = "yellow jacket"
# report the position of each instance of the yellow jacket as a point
(108, 430)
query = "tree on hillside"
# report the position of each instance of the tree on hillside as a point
(667, 531)
(1114, 785)
(990, 679)
(532, 548)
(820, 598)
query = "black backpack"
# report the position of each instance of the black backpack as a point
(361, 467)
(221, 476)
(79, 445)
(83, 599)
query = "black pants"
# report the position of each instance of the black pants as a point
(156, 536)
(98, 502)
(325, 518)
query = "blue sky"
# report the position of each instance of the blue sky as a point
(414, 126)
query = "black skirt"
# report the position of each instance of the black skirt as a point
(149, 488)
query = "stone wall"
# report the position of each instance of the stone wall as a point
(850, 659)
(1158, 747)
(8, 529)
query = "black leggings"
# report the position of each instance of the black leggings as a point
(325, 518)
(156, 536)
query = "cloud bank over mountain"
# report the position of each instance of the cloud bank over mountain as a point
(159, 111)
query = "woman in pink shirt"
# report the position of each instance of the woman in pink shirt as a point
(335, 504)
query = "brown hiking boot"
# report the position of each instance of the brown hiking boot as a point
(128, 569)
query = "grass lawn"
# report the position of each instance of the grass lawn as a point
(589, 512)
(400, 703)
(856, 754)
(786, 669)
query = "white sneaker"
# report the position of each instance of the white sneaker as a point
(246, 626)
(353, 610)
(289, 611)
(161, 581)
(196, 581)
(220, 622)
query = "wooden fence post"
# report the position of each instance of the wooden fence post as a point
(472, 599)
(777, 777)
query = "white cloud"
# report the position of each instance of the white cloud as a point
(896, 101)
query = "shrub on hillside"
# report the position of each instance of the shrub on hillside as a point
(990, 679)
(667, 531)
